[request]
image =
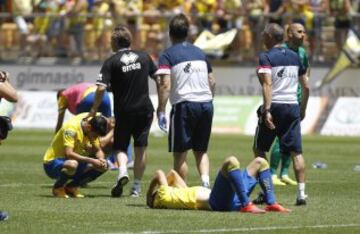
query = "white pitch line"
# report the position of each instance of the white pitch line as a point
(244, 229)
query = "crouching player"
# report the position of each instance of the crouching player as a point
(70, 155)
(230, 192)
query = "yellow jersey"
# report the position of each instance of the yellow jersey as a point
(71, 135)
(168, 197)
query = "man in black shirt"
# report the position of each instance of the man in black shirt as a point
(126, 73)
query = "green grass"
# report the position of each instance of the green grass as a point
(25, 192)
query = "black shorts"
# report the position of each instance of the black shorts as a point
(135, 125)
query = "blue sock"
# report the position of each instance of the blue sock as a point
(237, 183)
(60, 182)
(84, 178)
(267, 186)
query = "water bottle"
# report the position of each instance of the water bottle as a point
(356, 168)
(319, 165)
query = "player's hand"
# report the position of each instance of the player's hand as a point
(99, 164)
(302, 114)
(104, 164)
(4, 76)
(162, 122)
(269, 121)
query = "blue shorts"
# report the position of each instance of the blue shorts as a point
(286, 118)
(86, 104)
(53, 168)
(190, 126)
(223, 196)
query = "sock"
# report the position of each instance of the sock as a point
(137, 185)
(275, 157)
(285, 164)
(237, 183)
(84, 178)
(60, 182)
(129, 153)
(205, 180)
(301, 191)
(122, 171)
(267, 187)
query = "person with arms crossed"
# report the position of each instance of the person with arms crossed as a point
(295, 39)
(75, 153)
(185, 76)
(230, 192)
(7, 92)
(127, 73)
(280, 71)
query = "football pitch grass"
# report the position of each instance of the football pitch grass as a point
(25, 192)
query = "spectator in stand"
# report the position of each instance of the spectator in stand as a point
(227, 14)
(274, 9)
(205, 9)
(100, 23)
(255, 11)
(319, 9)
(340, 9)
(76, 11)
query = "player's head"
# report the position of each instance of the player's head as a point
(296, 34)
(179, 28)
(99, 125)
(273, 34)
(121, 38)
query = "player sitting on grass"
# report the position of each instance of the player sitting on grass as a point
(230, 192)
(69, 156)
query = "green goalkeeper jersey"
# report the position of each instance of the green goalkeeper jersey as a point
(304, 59)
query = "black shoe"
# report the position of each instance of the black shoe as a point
(4, 215)
(117, 189)
(300, 202)
(259, 200)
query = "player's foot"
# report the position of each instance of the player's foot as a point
(287, 180)
(277, 181)
(260, 199)
(251, 208)
(130, 165)
(4, 215)
(134, 193)
(277, 208)
(117, 189)
(74, 192)
(300, 202)
(205, 184)
(60, 192)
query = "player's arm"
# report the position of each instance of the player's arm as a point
(305, 89)
(99, 93)
(212, 83)
(71, 154)
(62, 106)
(266, 87)
(158, 179)
(175, 180)
(163, 85)
(7, 91)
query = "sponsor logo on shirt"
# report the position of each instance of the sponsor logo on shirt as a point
(191, 69)
(129, 59)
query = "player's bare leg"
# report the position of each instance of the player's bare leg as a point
(123, 177)
(202, 164)
(299, 168)
(139, 168)
(180, 164)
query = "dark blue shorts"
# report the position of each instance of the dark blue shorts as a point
(190, 126)
(53, 168)
(286, 118)
(223, 196)
(135, 125)
(86, 104)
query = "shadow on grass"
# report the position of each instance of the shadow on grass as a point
(136, 205)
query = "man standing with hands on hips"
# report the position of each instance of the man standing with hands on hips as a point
(185, 77)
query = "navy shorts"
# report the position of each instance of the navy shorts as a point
(135, 125)
(223, 196)
(86, 104)
(286, 118)
(53, 168)
(190, 126)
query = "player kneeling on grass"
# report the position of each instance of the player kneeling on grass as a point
(70, 155)
(230, 192)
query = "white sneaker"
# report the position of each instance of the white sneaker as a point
(134, 193)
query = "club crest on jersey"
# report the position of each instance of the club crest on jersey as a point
(129, 59)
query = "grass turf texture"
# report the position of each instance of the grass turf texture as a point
(25, 192)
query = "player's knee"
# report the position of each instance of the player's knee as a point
(263, 163)
(230, 164)
(160, 173)
(70, 167)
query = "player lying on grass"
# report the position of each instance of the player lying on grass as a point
(70, 155)
(230, 192)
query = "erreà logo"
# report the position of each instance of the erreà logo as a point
(187, 68)
(129, 58)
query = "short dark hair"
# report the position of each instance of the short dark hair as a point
(121, 36)
(179, 26)
(276, 32)
(99, 125)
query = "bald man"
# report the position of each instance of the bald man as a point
(280, 71)
(296, 36)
